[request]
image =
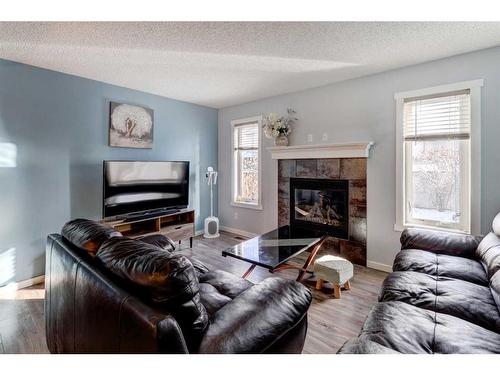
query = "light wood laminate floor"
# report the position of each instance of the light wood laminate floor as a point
(331, 321)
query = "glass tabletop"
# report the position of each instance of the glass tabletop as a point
(273, 248)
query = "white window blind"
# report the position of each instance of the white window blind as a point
(247, 137)
(445, 115)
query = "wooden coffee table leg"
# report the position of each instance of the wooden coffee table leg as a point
(311, 257)
(319, 284)
(248, 271)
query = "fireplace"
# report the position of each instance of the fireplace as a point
(319, 207)
(340, 209)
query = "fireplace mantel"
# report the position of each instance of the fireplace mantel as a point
(322, 151)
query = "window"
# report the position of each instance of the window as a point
(246, 171)
(435, 142)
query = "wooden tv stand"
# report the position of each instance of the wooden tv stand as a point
(177, 226)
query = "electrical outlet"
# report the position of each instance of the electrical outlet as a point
(324, 137)
(235, 216)
(309, 138)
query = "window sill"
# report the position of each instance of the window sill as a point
(247, 205)
(401, 227)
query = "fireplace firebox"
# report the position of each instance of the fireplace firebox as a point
(319, 207)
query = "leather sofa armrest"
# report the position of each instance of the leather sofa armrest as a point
(258, 318)
(463, 245)
(170, 338)
(145, 330)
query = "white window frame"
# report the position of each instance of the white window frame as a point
(475, 154)
(234, 123)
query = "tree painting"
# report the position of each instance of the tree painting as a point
(130, 126)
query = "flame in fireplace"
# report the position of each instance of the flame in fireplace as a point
(327, 215)
(317, 206)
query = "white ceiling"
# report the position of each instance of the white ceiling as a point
(228, 63)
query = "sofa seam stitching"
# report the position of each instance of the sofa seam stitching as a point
(50, 294)
(74, 305)
(120, 322)
(435, 306)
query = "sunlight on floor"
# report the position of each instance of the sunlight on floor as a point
(8, 155)
(7, 265)
(10, 292)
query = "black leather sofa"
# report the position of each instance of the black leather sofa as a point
(106, 293)
(443, 297)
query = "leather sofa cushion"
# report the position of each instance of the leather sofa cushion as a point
(495, 225)
(495, 288)
(159, 240)
(87, 234)
(408, 329)
(439, 242)
(459, 298)
(440, 265)
(363, 346)
(162, 278)
(257, 318)
(488, 252)
(226, 283)
(199, 267)
(217, 288)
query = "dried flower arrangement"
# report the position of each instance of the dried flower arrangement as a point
(276, 126)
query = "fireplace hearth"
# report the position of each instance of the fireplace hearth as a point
(320, 206)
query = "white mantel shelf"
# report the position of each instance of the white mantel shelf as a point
(322, 151)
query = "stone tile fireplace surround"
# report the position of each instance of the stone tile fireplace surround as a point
(352, 170)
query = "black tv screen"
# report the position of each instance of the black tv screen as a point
(136, 186)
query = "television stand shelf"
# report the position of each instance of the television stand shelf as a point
(177, 226)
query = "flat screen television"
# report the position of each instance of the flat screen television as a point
(142, 186)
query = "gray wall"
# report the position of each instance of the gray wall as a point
(59, 124)
(364, 110)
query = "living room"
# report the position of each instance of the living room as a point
(263, 187)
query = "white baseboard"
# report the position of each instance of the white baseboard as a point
(23, 284)
(379, 266)
(239, 232)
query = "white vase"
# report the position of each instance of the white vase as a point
(281, 141)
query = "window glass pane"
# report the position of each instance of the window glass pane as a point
(248, 186)
(435, 178)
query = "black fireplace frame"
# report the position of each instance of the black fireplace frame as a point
(315, 229)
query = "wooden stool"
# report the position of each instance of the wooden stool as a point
(333, 269)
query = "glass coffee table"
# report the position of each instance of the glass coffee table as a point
(274, 249)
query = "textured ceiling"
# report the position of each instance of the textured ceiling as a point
(223, 64)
